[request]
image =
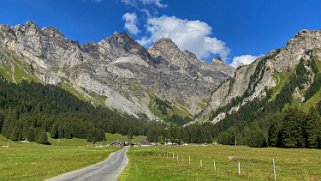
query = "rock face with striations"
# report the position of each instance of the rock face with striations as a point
(117, 69)
(252, 81)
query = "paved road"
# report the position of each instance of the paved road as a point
(107, 170)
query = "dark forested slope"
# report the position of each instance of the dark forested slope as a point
(29, 110)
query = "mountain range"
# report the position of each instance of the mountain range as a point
(162, 82)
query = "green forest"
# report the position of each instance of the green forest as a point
(30, 110)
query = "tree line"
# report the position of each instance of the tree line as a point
(30, 110)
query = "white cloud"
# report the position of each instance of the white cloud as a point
(157, 3)
(129, 2)
(134, 3)
(188, 35)
(131, 22)
(242, 60)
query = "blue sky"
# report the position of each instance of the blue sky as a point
(229, 28)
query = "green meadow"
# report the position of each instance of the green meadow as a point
(33, 162)
(157, 163)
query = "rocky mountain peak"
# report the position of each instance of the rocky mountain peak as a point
(164, 44)
(30, 28)
(31, 24)
(305, 35)
(295, 49)
(166, 49)
(121, 45)
(217, 60)
(52, 32)
(121, 39)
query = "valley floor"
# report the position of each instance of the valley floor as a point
(30, 161)
(26, 161)
(157, 163)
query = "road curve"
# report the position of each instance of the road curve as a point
(107, 170)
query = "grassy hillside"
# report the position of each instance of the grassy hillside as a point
(168, 111)
(312, 102)
(6, 72)
(16, 71)
(33, 162)
(316, 98)
(291, 164)
(281, 79)
(67, 86)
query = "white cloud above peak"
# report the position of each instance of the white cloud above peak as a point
(131, 23)
(243, 60)
(191, 35)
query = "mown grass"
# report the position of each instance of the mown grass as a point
(31, 161)
(118, 137)
(256, 163)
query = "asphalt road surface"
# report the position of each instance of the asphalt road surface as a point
(107, 170)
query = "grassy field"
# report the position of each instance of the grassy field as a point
(256, 163)
(114, 137)
(31, 161)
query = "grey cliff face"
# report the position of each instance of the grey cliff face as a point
(117, 68)
(302, 46)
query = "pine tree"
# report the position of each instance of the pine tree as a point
(256, 137)
(1, 121)
(313, 128)
(96, 134)
(274, 129)
(42, 137)
(293, 129)
(32, 134)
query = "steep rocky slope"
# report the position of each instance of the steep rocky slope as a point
(117, 71)
(266, 73)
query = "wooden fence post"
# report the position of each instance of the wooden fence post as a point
(274, 169)
(201, 163)
(239, 168)
(214, 165)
